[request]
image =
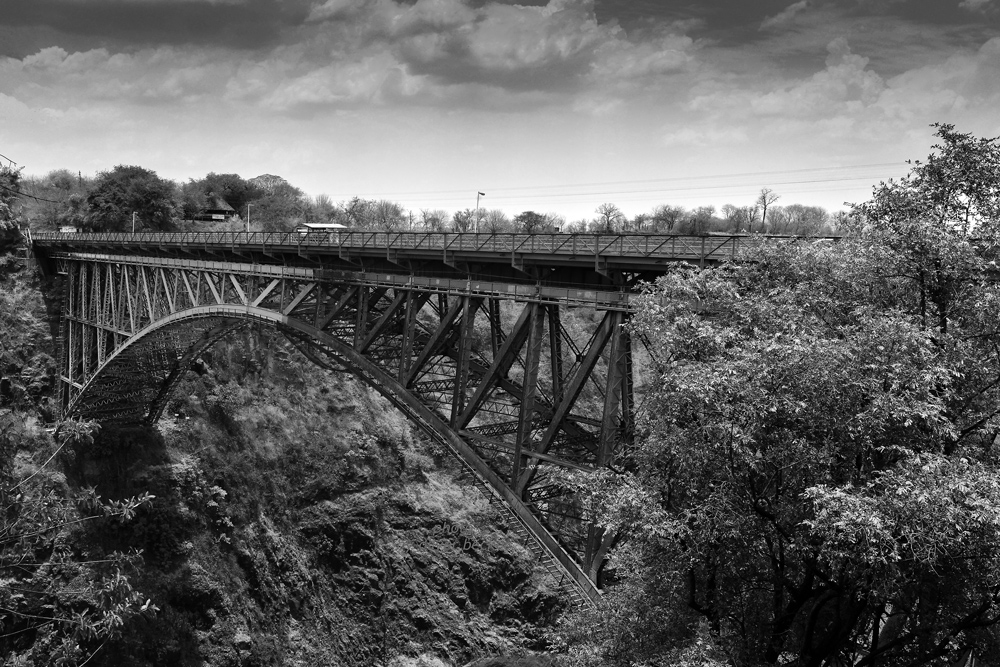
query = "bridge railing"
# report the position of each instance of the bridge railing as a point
(709, 247)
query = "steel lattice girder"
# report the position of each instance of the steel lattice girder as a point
(133, 325)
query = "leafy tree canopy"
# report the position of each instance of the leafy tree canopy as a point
(815, 476)
(126, 189)
(10, 182)
(56, 607)
(232, 188)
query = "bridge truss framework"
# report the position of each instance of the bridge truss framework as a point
(482, 360)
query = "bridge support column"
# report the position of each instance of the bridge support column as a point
(458, 403)
(529, 385)
(618, 389)
(555, 353)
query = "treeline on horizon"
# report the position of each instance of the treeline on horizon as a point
(108, 201)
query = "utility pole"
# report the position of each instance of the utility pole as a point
(133, 222)
(248, 217)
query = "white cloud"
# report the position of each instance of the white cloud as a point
(964, 82)
(370, 79)
(785, 16)
(13, 109)
(845, 84)
(976, 5)
(333, 10)
(688, 136)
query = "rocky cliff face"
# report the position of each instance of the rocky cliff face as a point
(299, 520)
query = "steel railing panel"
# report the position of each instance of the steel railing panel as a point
(638, 246)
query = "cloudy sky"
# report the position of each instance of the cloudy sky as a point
(553, 106)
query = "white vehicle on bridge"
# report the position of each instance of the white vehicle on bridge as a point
(313, 227)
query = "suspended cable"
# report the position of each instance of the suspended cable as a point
(674, 179)
(620, 193)
(25, 194)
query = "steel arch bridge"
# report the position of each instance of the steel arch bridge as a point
(462, 332)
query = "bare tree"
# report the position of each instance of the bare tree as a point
(639, 223)
(609, 218)
(740, 216)
(778, 219)
(433, 220)
(530, 222)
(697, 221)
(324, 209)
(387, 215)
(464, 220)
(358, 212)
(806, 220)
(495, 221)
(666, 217)
(766, 198)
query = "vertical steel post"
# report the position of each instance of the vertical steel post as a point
(495, 333)
(528, 387)
(618, 387)
(464, 357)
(555, 353)
(409, 325)
(361, 321)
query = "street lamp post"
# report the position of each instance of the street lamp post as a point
(478, 195)
(248, 218)
(133, 222)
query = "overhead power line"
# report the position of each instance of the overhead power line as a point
(605, 184)
(25, 194)
(626, 193)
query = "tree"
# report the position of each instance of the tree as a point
(232, 188)
(609, 219)
(10, 218)
(434, 220)
(640, 222)
(495, 221)
(126, 189)
(387, 216)
(193, 199)
(323, 209)
(802, 220)
(666, 217)
(73, 212)
(55, 607)
(697, 221)
(816, 475)
(357, 213)
(278, 206)
(765, 199)
(464, 220)
(740, 216)
(10, 184)
(61, 179)
(576, 227)
(529, 222)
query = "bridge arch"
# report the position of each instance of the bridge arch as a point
(145, 368)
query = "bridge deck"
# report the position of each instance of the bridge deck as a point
(625, 251)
